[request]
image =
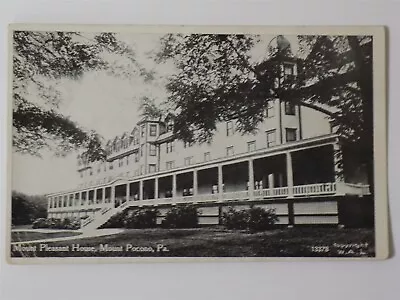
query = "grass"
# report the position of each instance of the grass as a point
(219, 242)
(21, 236)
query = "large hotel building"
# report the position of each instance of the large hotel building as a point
(289, 164)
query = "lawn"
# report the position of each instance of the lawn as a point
(217, 242)
(21, 236)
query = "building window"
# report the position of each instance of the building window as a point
(127, 159)
(91, 172)
(111, 165)
(153, 150)
(270, 111)
(170, 165)
(152, 168)
(170, 147)
(136, 156)
(288, 70)
(291, 134)
(251, 146)
(141, 149)
(170, 125)
(188, 160)
(229, 151)
(207, 156)
(187, 144)
(271, 138)
(135, 137)
(142, 130)
(153, 129)
(290, 108)
(120, 162)
(229, 128)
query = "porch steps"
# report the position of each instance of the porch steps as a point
(101, 217)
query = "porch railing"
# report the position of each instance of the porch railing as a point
(270, 193)
(330, 188)
(314, 189)
(238, 195)
(206, 198)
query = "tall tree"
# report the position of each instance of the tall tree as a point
(218, 79)
(39, 60)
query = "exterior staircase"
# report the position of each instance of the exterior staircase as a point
(100, 217)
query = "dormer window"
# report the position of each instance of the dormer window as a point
(170, 125)
(153, 130)
(288, 69)
(142, 130)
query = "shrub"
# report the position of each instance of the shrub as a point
(67, 223)
(235, 219)
(116, 221)
(182, 216)
(261, 219)
(253, 219)
(142, 218)
(39, 223)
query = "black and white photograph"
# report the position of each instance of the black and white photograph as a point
(165, 143)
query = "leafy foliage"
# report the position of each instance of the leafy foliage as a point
(40, 61)
(253, 219)
(133, 218)
(25, 208)
(181, 216)
(219, 80)
(67, 223)
(149, 109)
(141, 218)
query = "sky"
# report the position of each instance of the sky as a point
(105, 103)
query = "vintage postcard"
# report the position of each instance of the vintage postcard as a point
(179, 143)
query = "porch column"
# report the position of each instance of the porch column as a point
(103, 200)
(220, 183)
(127, 191)
(95, 197)
(87, 197)
(156, 188)
(141, 190)
(112, 196)
(195, 188)
(49, 202)
(289, 173)
(174, 185)
(251, 180)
